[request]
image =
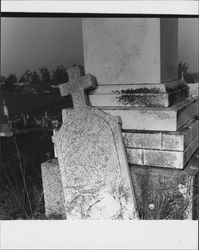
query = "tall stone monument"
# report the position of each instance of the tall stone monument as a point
(92, 159)
(135, 61)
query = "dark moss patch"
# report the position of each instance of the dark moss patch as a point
(138, 91)
(138, 97)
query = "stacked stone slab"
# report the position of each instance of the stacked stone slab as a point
(161, 134)
(135, 62)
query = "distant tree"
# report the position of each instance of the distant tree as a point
(26, 77)
(3, 81)
(10, 80)
(35, 80)
(45, 78)
(59, 75)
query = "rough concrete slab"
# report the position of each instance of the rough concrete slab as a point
(139, 96)
(182, 138)
(53, 190)
(161, 88)
(162, 158)
(138, 100)
(159, 119)
(167, 193)
(92, 159)
(143, 139)
(176, 141)
(161, 193)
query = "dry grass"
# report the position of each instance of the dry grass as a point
(20, 182)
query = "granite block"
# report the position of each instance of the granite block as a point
(164, 194)
(182, 138)
(131, 50)
(176, 141)
(162, 158)
(161, 193)
(142, 139)
(158, 119)
(141, 96)
(53, 189)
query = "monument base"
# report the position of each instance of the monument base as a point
(160, 193)
(167, 193)
(53, 190)
(139, 95)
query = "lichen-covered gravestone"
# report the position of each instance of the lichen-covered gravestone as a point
(92, 159)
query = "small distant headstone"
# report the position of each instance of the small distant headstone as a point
(92, 158)
(2, 115)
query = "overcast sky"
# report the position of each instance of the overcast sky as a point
(30, 43)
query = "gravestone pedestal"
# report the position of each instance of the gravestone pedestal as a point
(167, 193)
(160, 193)
(135, 61)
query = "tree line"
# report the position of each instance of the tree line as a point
(41, 80)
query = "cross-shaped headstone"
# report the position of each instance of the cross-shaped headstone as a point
(76, 87)
(92, 158)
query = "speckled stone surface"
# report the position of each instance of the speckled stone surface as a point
(155, 118)
(92, 159)
(167, 193)
(53, 189)
(131, 50)
(173, 141)
(160, 193)
(162, 158)
(143, 95)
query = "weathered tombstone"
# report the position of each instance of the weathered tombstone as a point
(5, 127)
(92, 159)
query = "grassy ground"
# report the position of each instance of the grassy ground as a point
(21, 192)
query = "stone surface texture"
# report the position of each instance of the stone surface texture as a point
(176, 141)
(53, 189)
(92, 159)
(143, 95)
(167, 193)
(193, 89)
(159, 119)
(162, 158)
(160, 193)
(131, 50)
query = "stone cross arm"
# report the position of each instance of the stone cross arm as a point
(77, 85)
